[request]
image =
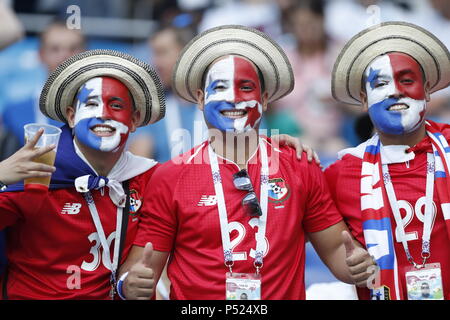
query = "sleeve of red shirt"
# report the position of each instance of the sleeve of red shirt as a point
(331, 176)
(321, 212)
(10, 211)
(158, 222)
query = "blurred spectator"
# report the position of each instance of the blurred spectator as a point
(11, 29)
(345, 18)
(57, 43)
(263, 15)
(310, 104)
(174, 134)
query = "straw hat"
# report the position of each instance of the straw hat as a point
(256, 46)
(387, 37)
(143, 82)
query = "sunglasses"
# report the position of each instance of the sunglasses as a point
(250, 202)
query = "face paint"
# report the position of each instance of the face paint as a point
(103, 115)
(233, 95)
(395, 93)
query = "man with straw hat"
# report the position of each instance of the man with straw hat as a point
(234, 212)
(400, 177)
(67, 243)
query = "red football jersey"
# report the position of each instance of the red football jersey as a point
(181, 217)
(53, 248)
(409, 180)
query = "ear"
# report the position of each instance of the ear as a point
(264, 101)
(70, 116)
(135, 120)
(363, 96)
(426, 87)
(200, 99)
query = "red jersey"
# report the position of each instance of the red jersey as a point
(181, 216)
(409, 181)
(53, 249)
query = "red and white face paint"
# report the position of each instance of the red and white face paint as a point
(233, 95)
(395, 93)
(104, 114)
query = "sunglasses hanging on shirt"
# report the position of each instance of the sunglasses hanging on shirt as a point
(250, 202)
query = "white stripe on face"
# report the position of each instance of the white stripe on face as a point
(219, 84)
(112, 142)
(381, 67)
(91, 103)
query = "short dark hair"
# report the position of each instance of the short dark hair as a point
(182, 35)
(61, 24)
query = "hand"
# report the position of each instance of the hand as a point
(287, 140)
(21, 166)
(358, 261)
(140, 284)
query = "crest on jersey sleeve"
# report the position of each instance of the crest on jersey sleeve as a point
(135, 202)
(278, 190)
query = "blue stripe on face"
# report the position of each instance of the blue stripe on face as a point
(84, 94)
(210, 89)
(85, 135)
(389, 122)
(373, 76)
(215, 118)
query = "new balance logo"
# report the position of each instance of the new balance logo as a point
(206, 201)
(71, 208)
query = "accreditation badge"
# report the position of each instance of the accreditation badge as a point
(243, 286)
(425, 283)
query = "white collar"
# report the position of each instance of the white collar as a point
(389, 154)
(128, 166)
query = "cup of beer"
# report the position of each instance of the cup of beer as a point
(50, 136)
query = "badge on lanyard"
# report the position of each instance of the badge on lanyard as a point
(424, 283)
(243, 286)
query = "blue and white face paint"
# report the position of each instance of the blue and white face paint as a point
(395, 94)
(103, 114)
(233, 95)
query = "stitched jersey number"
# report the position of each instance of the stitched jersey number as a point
(240, 228)
(98, 254)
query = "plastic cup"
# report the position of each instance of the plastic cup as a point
(50, 136)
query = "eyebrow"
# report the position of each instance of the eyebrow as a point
(406, 71)
(116, 98)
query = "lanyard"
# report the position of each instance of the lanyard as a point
(111, 265)
(428, 217)
(262, 221)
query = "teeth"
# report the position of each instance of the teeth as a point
(233, 113)
(398, 107)
(102, 129)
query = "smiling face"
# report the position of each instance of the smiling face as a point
(396, 93)
(232, 95)
(104, 114)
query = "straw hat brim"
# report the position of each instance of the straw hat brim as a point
(142, 81)
(256, 46)
(363, 48)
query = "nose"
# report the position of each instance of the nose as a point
(106, 112)
(396, 93)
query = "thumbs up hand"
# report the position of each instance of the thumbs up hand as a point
(358, 261)
(140, 284)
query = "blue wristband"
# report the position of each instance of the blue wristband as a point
(120, 285)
